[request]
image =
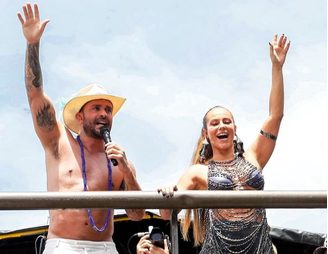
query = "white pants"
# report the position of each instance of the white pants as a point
(67, 246)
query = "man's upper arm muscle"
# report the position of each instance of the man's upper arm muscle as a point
(45, 122)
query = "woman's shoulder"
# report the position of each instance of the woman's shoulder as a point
(195, 178)
(197, 170)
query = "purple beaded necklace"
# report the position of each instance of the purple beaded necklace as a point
(85, 188)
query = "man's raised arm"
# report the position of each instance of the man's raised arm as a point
(42, 109)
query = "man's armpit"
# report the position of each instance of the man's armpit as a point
(122, 186)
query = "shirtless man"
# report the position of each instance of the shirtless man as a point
(76, 164)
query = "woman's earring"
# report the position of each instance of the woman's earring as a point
(238, 146)
(202, 151)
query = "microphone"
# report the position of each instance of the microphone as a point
(105, 132)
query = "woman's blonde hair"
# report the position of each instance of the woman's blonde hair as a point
(198, 214)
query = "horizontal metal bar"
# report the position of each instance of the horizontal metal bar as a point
(151, 199)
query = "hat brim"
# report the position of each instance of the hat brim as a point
(74, 106)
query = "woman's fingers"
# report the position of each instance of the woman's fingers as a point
(167, 191)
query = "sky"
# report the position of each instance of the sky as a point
(172, 60)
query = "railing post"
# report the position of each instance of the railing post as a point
(174, 233)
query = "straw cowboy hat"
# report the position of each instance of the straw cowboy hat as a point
(89, 93)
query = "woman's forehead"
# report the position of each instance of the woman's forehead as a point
(219, 113)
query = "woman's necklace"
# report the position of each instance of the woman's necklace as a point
(85, 187)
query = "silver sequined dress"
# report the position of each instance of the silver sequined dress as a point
(242, 231)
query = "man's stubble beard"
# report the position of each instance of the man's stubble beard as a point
(90, 130)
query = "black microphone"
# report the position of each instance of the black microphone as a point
(105, 132)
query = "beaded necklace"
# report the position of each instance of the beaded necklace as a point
(234, 231)
(85, 187)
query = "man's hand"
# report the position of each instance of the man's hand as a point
(114, 151)
(32, 27)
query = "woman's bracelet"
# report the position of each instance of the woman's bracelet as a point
(268, 135)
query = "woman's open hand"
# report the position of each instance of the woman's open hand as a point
(279, 49)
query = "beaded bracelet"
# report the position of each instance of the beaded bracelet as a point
(268, 135)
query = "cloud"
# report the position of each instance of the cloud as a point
(287, 18)
(21, 160)
(301, 146)
(303, 69)
(15, 220)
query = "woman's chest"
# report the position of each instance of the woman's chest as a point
(242, 176)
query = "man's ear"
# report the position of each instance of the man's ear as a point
(79, 117)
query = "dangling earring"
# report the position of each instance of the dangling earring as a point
(238, 146)
(202, 151)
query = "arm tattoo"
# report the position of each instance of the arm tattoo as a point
(33, 74)
(45, 119)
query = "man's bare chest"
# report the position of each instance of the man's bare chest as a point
(69, 174)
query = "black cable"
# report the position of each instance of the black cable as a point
(140, 234)
(43, 238)
(42, 241)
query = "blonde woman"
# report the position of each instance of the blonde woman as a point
(220, 163)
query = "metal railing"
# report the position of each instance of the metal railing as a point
(152, 200)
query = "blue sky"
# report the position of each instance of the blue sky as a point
(172, 61)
